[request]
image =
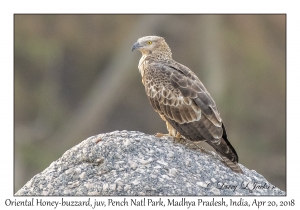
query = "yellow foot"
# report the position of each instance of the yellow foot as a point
(178, 135)
(179, 140)
(159, 135)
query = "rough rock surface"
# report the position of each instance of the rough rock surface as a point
(134, 163)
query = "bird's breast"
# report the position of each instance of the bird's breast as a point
(142, 66)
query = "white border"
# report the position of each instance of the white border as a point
(224, 7)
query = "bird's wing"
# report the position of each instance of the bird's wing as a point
(177, 93)
(181, 96)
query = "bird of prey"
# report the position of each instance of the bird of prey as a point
(181, 100)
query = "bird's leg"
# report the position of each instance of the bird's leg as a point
(171, 130)
(178, 135)
(161, 134)
(179, 139)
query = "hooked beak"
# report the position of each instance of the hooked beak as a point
(135, 46)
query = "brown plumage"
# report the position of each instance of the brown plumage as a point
(180, 98)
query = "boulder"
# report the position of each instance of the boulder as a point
(137, 164)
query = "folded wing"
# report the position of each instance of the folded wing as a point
(177, 93)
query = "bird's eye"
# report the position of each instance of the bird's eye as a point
(149, 42)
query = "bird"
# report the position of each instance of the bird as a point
(181, 99)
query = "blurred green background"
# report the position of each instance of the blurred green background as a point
(75, 76)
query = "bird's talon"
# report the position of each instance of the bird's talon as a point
(159, 135)
(178, 140)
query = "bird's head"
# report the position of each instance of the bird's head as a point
(151, 45)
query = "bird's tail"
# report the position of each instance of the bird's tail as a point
(227, 152)
(233, 166)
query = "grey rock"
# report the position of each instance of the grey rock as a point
(134, 163)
